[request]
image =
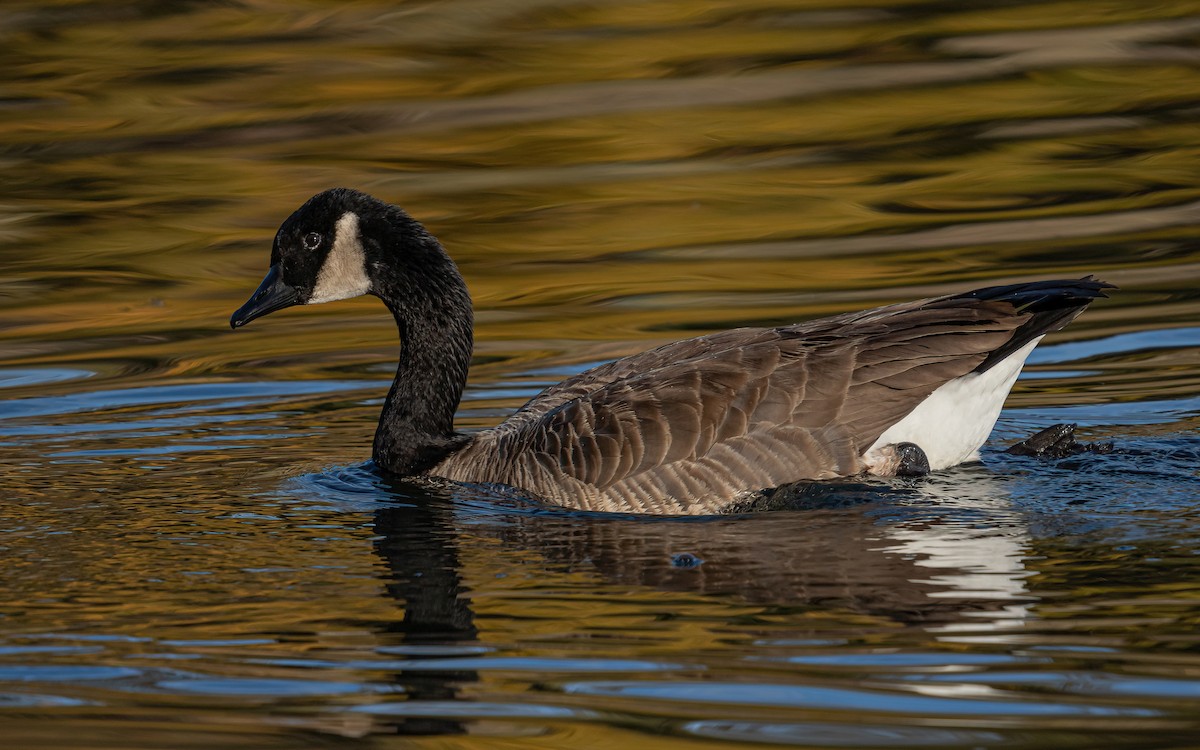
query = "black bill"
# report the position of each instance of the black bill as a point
(272, 294)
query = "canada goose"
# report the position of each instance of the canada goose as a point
(689, 427)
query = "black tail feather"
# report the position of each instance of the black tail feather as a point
(1052, 304)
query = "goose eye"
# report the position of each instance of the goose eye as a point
(312, 241)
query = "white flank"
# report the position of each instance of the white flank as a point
(344, 274)
(955, 420)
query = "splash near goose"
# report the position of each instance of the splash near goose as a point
(689, 427)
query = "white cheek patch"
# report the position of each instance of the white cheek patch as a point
(344, 274)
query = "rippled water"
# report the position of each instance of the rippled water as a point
(196, 555)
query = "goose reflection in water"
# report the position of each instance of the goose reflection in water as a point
(419, 545)
(940, 555)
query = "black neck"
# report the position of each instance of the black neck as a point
(433, 312)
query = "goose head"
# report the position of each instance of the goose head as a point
(341, 244)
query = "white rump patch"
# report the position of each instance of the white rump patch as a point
(344, 274)
(954, 421)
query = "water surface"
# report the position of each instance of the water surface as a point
(196, 552)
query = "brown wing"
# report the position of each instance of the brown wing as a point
(650, 360)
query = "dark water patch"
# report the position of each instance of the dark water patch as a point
(197, 74)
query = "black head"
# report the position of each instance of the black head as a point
(323, 252)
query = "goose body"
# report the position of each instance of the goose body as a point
(689, 427)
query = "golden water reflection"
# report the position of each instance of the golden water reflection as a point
(189, 535)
